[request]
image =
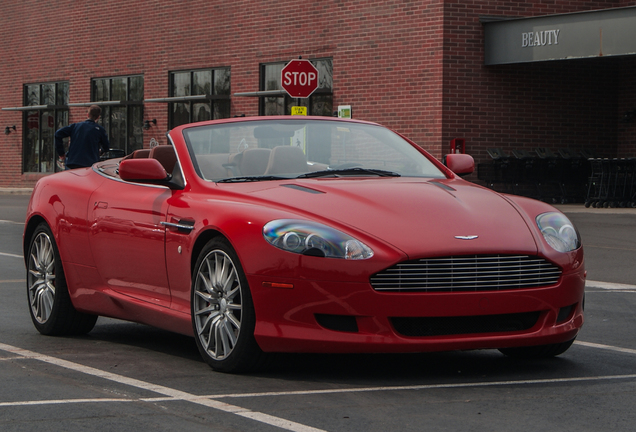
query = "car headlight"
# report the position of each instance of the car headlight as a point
(558, 231)
(311, 238)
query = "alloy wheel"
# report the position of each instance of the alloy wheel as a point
(217, 304)
(41, 277)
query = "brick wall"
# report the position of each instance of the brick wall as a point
(416, 66)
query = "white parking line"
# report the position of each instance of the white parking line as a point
(428, 386)
(11, 222)
(606, 347)
(212, 401)
(62, 401)
(11, 255)
(609, 285)
(259, 416)
(166, 391)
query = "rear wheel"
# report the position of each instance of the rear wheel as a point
(50, 305)
(223, 317)
(540, 351)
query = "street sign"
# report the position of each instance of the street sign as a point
(299, 110)
(344, 111)
(299, 78)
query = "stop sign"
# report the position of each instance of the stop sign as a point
(299, 78)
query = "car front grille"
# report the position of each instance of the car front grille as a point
(467, 273)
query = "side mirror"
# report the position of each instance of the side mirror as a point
(142, 170)
(460, 164)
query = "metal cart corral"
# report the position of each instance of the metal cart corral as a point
(612, 183)
(559, 176)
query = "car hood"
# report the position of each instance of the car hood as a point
(440, 217)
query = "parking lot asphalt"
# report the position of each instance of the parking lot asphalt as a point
(128, 377)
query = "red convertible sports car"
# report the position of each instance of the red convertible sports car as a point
(301, 234)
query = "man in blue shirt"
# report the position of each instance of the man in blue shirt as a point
(86, 139)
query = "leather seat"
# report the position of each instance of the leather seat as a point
(287, 160)
(254, 161)
(165, 155)
(140, 154)
(214, 166)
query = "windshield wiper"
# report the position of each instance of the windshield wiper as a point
(250, 179)
(349, 172)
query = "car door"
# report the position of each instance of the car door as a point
(128, 240)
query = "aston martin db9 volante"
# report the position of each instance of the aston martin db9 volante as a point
(301, 234)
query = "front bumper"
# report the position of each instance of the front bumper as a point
(359, 319)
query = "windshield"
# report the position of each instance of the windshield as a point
(282, 149)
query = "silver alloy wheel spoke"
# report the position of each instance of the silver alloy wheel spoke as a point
(41, 277)
(217, 304)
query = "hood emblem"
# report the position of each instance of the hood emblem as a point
(468, 237)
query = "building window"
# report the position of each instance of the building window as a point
(49, 113)
(122, 115)
(205, 95)
(320, 103)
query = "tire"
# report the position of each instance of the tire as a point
(50, 305)
(223, 317)
(537, 352)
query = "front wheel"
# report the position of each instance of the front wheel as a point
(223, 317)
(540, 351)
(52, 311)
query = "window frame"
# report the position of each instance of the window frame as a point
(60, 115)
(134, 111)
(191, 100)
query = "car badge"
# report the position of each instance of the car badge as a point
(468, 237)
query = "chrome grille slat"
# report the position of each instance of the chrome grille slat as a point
(471, 271)
(467, 273)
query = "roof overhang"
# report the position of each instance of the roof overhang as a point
(601, 33)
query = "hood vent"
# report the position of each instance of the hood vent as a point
(302, 188)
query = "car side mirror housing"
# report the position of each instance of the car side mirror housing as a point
(460, 164)
(143, 171)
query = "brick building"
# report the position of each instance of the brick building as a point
(419, 67)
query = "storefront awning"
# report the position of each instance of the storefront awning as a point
(602, 33)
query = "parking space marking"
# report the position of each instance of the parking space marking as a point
(11, 255)
(609, 285)
(212, 401)
(11, 222)
(429, 386)
(63, 401)
(275, 421)
(606, 347)
(13, 281)
(173, 394)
